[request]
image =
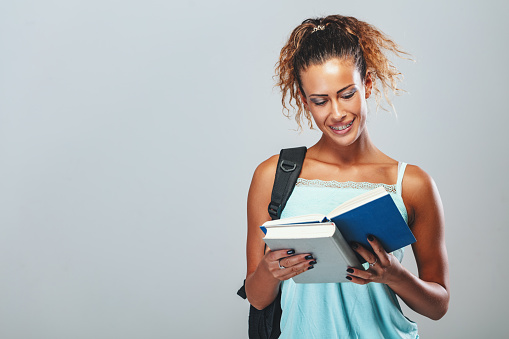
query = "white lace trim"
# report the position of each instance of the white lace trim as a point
(345, 184)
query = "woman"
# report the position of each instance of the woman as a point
(328, 69)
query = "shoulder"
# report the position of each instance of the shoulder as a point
(419, 191)
(416, 181)
(267, 169)
(261, 185)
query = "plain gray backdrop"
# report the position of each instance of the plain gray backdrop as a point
(129, 132)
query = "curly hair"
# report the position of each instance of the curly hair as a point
(316, 41)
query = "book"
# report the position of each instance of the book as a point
(328, 237)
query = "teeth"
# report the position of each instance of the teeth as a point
(342, 127)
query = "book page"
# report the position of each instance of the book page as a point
(301, 231)
(358, 201)
(302, 219)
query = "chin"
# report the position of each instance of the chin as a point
(342, 139)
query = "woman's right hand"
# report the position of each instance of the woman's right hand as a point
(285, 264)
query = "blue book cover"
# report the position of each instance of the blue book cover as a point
(380, 218)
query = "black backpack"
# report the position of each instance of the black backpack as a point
(264, 324)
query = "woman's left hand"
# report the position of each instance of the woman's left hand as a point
(383, 267)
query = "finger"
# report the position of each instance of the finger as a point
(367, 255)
(359, 273)
(294, 265)
(279, 254)
(296, 260)
(380, 252)
(292, 271)
(357, 280)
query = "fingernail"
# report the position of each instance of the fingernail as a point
(354, 245)
(349, 270)
(310, 267)
(312, 262)
(290, 252)
(349, 278)
(307, 257)
(371, 238)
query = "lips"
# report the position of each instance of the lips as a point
(342, 127)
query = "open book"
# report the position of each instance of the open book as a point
(327, 237)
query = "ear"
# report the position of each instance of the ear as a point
(368, 84)
(304, 100)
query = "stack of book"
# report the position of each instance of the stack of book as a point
(328, 237)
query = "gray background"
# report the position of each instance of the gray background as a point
(129, 132)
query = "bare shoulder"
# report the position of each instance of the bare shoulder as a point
(263, 177)
(420, 192)
(260, 191)
(267, 169)
(416, 179)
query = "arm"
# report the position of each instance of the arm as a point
(263, 272)
(427, 294)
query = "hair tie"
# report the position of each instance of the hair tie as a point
(318, 28)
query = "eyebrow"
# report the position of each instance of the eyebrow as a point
(325, 95)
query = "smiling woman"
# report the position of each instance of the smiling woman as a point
(327, 70)
(337, 98)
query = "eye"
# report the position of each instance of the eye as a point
(319, 102)
(348, 95)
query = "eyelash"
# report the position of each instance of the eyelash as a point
(346, 97)
(349, 95)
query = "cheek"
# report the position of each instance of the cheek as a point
(318, 117)
(356, 107)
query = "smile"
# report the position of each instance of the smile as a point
(340, 128)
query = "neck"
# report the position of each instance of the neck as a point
(362, 151)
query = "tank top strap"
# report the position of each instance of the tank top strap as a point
(401, 171)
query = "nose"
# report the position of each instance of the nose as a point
(336, 110)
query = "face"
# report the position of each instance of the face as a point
(336, 96)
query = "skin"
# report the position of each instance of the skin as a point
(335, 94)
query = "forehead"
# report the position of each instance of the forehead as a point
(330, 76)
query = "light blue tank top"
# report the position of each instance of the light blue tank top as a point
(341, 310)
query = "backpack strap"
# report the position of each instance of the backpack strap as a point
(288, 169)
